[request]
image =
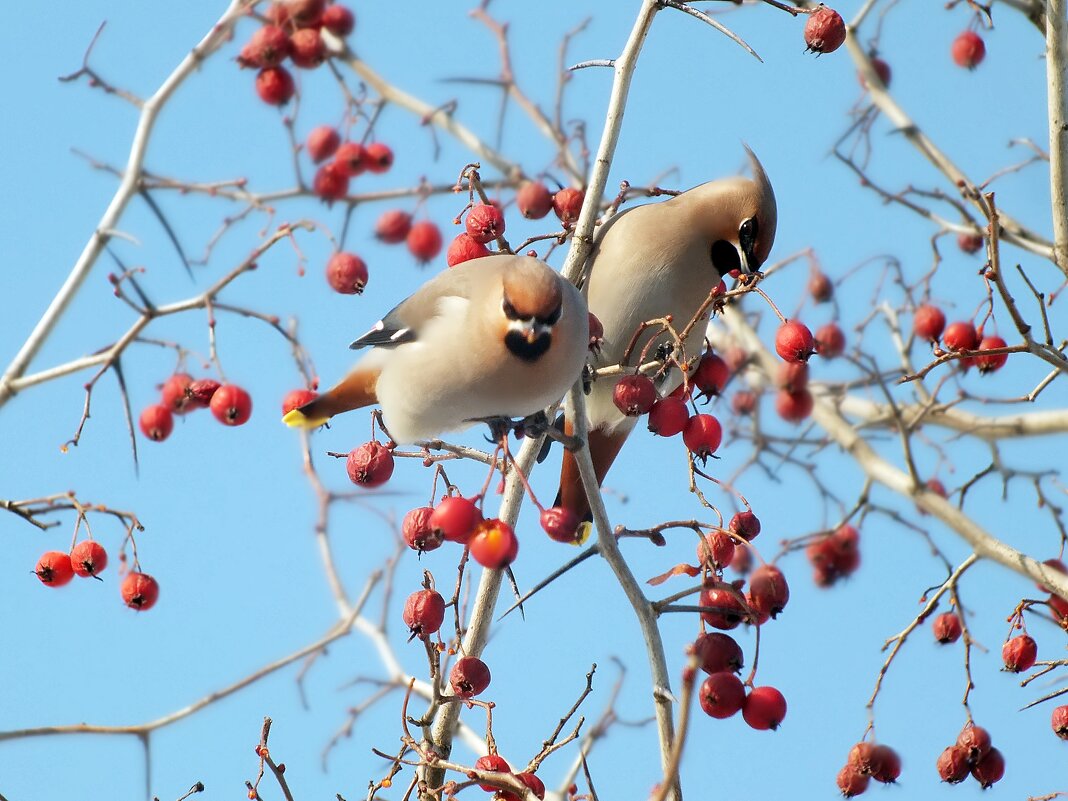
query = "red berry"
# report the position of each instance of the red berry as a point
(830, 341)
(322, 143)
(989, 769)
(297, 398)
(175, 394)
(968, 50)
(745, 525)
(1059, 721)
(793, 342)
(1055, 564)
(203, 391)
(702, 435)
(268, 47)
(393, 226)
(424, 612)
(825, 30)
(275, 86)
(668, 417)
(1058, 607)
(994, 362)
(793, 407)
(718, 653)
(346, 273)
(424, 240)
(953, 764)
(469, 677)
(307, 48)
(947, 628)
(331, 182)
(88, 558)
(792, 376)
(716, 550)
(1019, 654)
(768, 590)
(850, 782)
(725, 610)
(231, 405)
(960, 336)
(370, 465)
(928, 322)
(711, 375)
(975, 740)
(764, 708)
(338, 19)
(970, 243)
(156, 422)
(743, 559)
(139, 591)
(820, 287)
(744, 402)
(494, 544)
(418, 532)
(722, 695)
(464, 248)
(304, 13)
(596, 331)
(634, 395)
(532, 782)
(492, 763)
(682, 392)
(456, 518)
(534, 200)
(937, 487)
(379, 157)
(484, 223)
(567, 203)
(54, 568)
(351, 159)
(864, 758)
(887, 764)
(882, 69)
(560, 524)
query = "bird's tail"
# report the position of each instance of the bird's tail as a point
(355, 391)
(603, 450)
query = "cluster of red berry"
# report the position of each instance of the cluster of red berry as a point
(867, 761)
(974, 754)
(181, 394)
(834, 556)
(930, 323)
(88, 559)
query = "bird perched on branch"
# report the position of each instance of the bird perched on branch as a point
(497, 337)
(658, 260)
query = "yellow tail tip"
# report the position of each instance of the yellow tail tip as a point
(297, 419)
(583, 533)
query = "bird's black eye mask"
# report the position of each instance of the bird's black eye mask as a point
(550, 319)
(724, 257)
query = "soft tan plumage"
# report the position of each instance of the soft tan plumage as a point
(657, 260)
(500, 336)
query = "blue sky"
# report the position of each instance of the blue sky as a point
(229, 516)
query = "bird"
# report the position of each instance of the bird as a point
(656, 260)
(496, 337)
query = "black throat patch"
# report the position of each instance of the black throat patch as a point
(517, 343)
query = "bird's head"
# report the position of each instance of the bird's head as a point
(531, 304)
(738, 217)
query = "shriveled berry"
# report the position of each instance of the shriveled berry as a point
(970, 243)
(532, 782)
(560, 523)
(322, 143)
(305, 13)
(54, 568)
(534, 200)
(370, 465)
(929, 322)
(275, 86)
(418, 532)
(338, 19)
(331, 182)
(743, 559)
(960, 336)
(820, 287)
(297, 398)
(792, 376)
(830, 341)
(634, 395)
(716, 549)
(865, 758)
(424, 612)
(825, 30)
(850, 782)
(231, 405)
(768, 590)
(351, 159)
(718, 653)
(968, 50)
(567, 203)
(88, 558)
(668, 417)
(494, 544)
(745, 524)
(702, 435)
(990, 769)
(725, 610)
(744, 402)
(947, 628)
(268, 47)
(307, 48)
(722, 695)
(175, 394)
(456, 518)
(484, 223)
(346, 273)
(711, 375)
(975, 740)
(953, 764)
(794, 342)
(424, 240)
(464, 248)
(1059, 721)
(379, 157)
(139, 591)
(203, 390)
(393, 226)
(156, 422)
(995, 361)
(886, 764)
(469, 677)
(1019, 654)
(764, 708)
(492, 763)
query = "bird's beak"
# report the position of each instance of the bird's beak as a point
(743, 259)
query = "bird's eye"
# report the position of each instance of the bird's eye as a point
(552, 318)
(748, 230)
(510, 310)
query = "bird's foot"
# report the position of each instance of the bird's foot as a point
(538, 424)
(499, 426)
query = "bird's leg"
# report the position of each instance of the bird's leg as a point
(499, 426)
(588, 376)
(537, 424)
(376, 416)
